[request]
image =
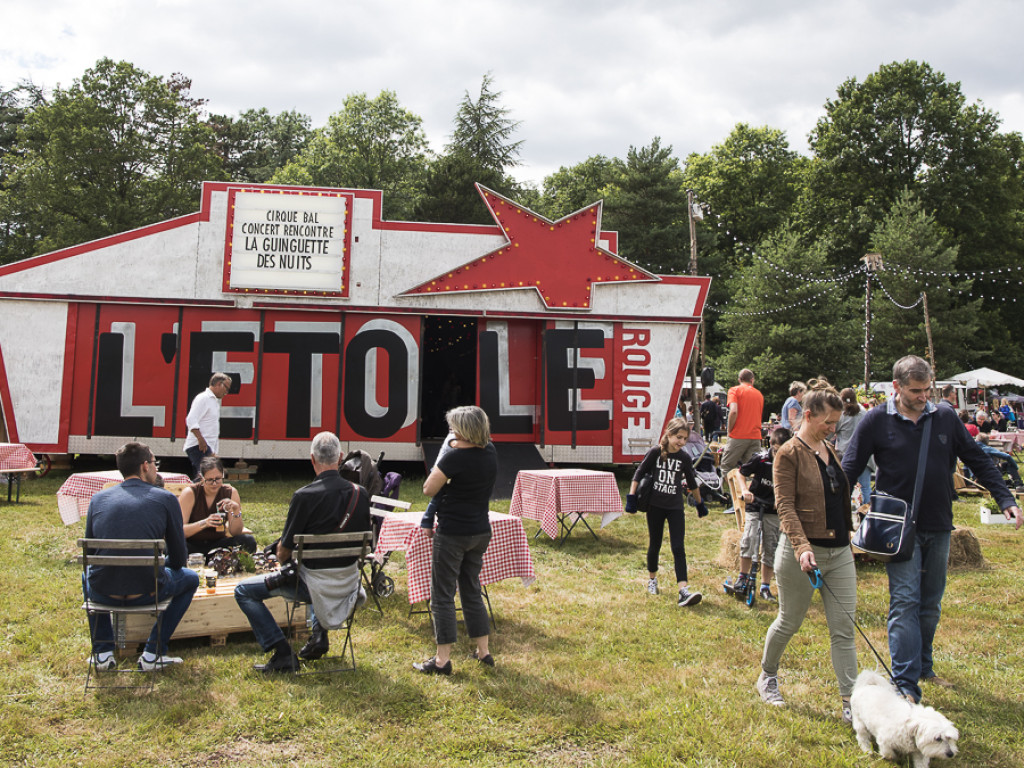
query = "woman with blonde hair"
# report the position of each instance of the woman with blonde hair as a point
(812, 497)
(466, 475)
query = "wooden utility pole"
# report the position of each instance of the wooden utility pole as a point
(872, 263)
(691, 205)
(928, 329)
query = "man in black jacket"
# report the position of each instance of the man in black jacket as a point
(892, 434)
(330, 504)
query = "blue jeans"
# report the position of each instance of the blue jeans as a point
(865, 486)
(915, 603)
(251, 595)
(179, 584)
(458, 561)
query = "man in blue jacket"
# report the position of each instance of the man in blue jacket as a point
(137, 509)
(892, 434)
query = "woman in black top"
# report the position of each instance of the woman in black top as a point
(673, 471)
(466, 474)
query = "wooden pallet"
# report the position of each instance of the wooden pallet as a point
(215, 615)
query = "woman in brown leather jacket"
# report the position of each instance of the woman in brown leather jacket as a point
(812, 497)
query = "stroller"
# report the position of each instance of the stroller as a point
(358, 467)
(709, 477)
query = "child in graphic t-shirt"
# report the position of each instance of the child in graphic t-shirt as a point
(761, 530)
(672, 470)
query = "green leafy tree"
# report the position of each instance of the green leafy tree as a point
(789, 319)
(573, 187)
(646, 203)
(916, 260)
(751, 181)
(483, 130)
(256, 144)
(117, 150)
(481, 150)
(15, 106)
(369, 144)
(907, 127)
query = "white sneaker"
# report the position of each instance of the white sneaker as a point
(652, 587)
(768, 687)
(158, 662)
(103, 662)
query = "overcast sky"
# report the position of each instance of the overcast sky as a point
(584, 78)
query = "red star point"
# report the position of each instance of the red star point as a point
(559, 259)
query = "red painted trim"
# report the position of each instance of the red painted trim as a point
(70, 342)
(103, 242)
(7, 403)
(84, 298)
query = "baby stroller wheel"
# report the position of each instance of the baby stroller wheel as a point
(384, 586)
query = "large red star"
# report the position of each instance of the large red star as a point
(561, 259)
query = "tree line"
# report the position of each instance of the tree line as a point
(900, 164)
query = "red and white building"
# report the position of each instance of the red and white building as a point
(329, 318)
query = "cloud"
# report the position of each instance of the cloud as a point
(584, 79)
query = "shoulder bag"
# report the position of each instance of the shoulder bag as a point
(887, 532)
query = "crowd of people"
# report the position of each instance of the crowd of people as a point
(800, 520)
(208, 515)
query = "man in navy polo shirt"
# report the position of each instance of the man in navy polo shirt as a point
(892, 434)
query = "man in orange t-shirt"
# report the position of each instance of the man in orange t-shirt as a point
(745, 407)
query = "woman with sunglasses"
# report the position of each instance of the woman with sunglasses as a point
(212, 512)
(812, 497)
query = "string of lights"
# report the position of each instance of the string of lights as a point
(888, 295)
(776, 310)
(825, 277)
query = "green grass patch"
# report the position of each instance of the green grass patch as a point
(592, 671)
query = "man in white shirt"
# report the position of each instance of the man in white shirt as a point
(203, 421)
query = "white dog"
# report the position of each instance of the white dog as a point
(899, 727)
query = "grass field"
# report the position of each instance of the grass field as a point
(591, 671)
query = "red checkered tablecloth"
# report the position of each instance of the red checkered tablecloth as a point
(14, 456)
(1012, 440)
(549, 495)
(507, 556)
(73, 497)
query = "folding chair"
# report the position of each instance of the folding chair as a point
(328, 546)
(377, 583)
(736, 491)
(147, 553)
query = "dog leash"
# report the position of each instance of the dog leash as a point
(817, 581)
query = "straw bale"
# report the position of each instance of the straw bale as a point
(729, 550)
(965, 550)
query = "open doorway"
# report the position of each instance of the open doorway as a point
(449, 371)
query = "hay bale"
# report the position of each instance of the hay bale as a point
(965, 550)
(729, 550)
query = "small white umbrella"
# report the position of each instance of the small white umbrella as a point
(986, 377)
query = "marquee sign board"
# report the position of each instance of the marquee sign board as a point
(287, 243)
(327, 317)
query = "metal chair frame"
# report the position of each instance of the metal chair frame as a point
(156, 557)
(309, 547)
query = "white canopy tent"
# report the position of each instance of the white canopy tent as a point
(986, 377)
